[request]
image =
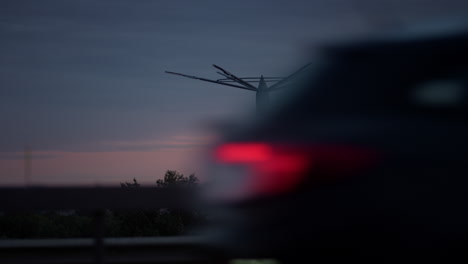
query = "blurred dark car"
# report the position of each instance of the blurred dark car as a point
(366, 161)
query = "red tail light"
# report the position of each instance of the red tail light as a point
(278, 168)
(244, 152)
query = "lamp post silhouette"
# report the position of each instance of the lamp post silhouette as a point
(262, 90)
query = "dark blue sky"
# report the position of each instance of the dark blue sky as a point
(88, 76)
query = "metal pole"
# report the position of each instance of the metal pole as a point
(99, 237)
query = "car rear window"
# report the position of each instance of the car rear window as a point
(439, 93)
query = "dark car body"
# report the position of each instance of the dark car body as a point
(381, 128)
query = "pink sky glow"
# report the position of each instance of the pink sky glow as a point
(181, 153)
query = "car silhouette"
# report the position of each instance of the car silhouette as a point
(366, 161)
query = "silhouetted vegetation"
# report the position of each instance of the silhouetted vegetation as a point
(47, 224)
(67, 224)
(175, 179)
(130, 185)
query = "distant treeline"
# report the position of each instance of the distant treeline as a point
(67, 224)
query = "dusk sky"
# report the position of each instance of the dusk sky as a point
(83, 82)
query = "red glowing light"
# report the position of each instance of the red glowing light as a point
(244, 152)
(273, 169)
(280, 168)
(279, 174)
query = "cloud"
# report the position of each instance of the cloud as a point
(104, 167)
(34, 156)
(174, 142)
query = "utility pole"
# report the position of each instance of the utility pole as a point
(262, 90)
(27, 164)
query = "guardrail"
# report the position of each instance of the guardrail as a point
(98, 249)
